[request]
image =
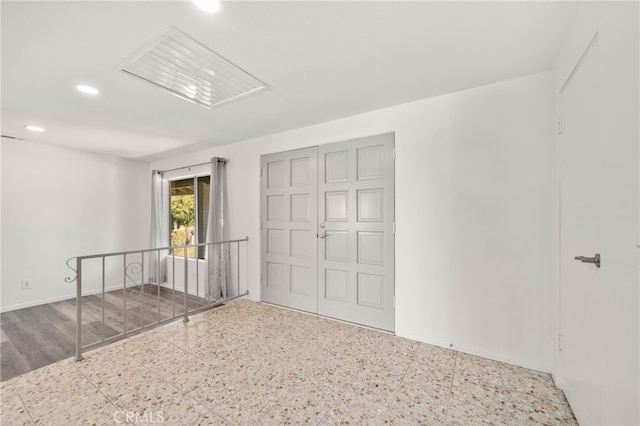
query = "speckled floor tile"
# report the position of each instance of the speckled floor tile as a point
(12, 410)
(378, 381)
(367, 415)
(530, 382)
(54, 381)
(213, 350)
(248, 405)
(244, 363)
(479, 376)
(567, 408)
(477, 392)
(99, 364)
(370, 340)
(45, 394)
(396, 365)
(212, 389)
(292, 414)
(395, 417)
(395, 346)
(433, 355)
(337, 373)
(185, 372)
(428, 373)
(477, 366)
(183, 410)
(138, 387)
(90, 408)
(526, 409)
(314, 395)
(354, 357)
(426, 404)
(144, 348)
(472, 414)
(356, 410)
(239, 365)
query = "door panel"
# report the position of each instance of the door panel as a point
(580, 292)
(356, 241)
(288, 219)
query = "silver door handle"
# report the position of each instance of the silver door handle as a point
(323, 235)
(595, 260)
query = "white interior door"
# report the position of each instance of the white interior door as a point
(580, 290)
(289, 218)
(356, 237)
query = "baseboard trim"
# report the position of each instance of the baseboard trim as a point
(52, 300)
(474, 351)
(68, 297)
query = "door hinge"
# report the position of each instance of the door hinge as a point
(560, 342)
(559, 126)
(394, 302)
(394, 153)
(394, 228)
(260, 171)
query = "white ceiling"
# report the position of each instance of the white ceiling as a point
(322, 61)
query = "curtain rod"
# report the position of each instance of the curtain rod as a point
(220, 160)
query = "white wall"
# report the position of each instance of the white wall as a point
(58, 203)
(473, 202)
(197, 283)
(619, 80)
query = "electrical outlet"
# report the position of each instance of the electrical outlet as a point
(26, 284)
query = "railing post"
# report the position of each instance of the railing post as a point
(124, 294)
(79, 309)
(158, 282)
(173, 285)
(142, 290)
(197, 302)
(186, 282)
(103, 288)
(207, 283)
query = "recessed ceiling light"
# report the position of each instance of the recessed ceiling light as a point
(87, 89)
(209, 6)
(34, 128)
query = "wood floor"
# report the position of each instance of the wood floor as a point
(41, 335)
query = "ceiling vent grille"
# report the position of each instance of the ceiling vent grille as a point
(186, 68)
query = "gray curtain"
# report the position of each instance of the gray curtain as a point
(218, 254)
(159, 228)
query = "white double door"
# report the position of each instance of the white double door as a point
(327, 220)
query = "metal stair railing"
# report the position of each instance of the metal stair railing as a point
(132, 271)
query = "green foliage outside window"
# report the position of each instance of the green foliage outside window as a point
(182, 211)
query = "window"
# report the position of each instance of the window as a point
(189, 207)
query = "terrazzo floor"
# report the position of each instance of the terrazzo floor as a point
(253, 363)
